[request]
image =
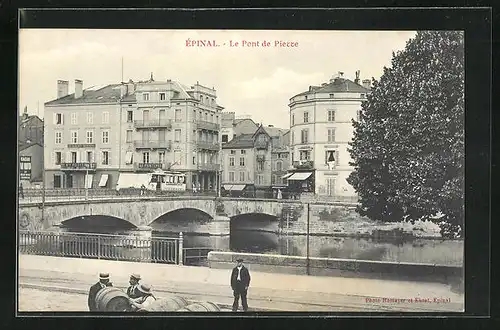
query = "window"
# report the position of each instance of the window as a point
(129, 135)
(90, 118)
(161, 135)
(74, 157)
(105, 117)
(58, 137)
(242, 176)
(90, 137)
(284, 155)
(305, 97)
(331, 115)
(194, 160)
(162, 96)
(130, 116)
(242, 161)
(212, 118)
(177, 135)
(161, 156)
(304, 134)
(231, 161)
(177, 157)
(57, 181)
(90, 157)
(231, 176)
(243, 152)
(129, 155)
(331, 135)
(58, 158)
(330, 156)
(105, 137)
(233, 152)
(58, 120)
(74, 118)
(206, 115)
(332, 96)
(306, 117)
(145, 96)
(293, 120)
(330, 186)
(145, 157)
(194, 115)
(224, 138)
(178, 114)
(260, 179)
(105, 158)
(74, 136)
(279, 166)
(260, 165)
(362, 96)
(305, 155)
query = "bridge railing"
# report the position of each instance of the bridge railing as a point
(101, 246)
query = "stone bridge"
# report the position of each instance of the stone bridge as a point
(143, 212)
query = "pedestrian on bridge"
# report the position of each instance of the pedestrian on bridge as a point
(94, 290)
(133, 290)
(240, 281)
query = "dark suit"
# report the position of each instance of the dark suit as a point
(94, 289)
(240, 287)
(133, 292)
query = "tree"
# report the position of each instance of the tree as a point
(408, 146)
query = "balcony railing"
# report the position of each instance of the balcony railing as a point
(303, 164)
(207, 125)
(78, 166)
(158, 144)
(155, 123)
(147, 166)
(207, 145)
(261, 158)
(208, 167)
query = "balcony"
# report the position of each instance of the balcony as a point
(158, 123)
(208, 167)
(304, 164)
(261, 144)
(207, 125)
(214, 146)
(147, 167)
(261, 158)
(78, 166)
(156, 144)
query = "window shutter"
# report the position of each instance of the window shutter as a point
(336, 158)
(53, 158)
(55, 118)
(62, 157)
(109, 158)
(62, 118)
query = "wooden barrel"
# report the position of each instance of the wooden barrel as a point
(112, 299)
(166, 304)
(205, 306)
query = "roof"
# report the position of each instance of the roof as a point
(23, 120)
(339, 85)
(24, 145)
(240, 141)
(275, 131)
(107, 94)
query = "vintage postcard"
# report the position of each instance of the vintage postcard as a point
(229, 171)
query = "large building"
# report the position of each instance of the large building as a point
(99, 132)
(320, 130)
(232, 126)
(30, 146)
(255, 159)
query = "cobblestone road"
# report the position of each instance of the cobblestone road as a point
(32, 300)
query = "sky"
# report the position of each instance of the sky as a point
(253, 81)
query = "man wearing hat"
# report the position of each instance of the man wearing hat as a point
(133, 291)
(94, 289)
(240, 281)
(145, 298)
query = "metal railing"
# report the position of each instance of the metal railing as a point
(102, 246)
(153, 144)
(196, 256)
(201, 124)
(167, 123)
(214, 146)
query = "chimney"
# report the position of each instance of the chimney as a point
(357, 77)
(367, 83)
(123, 90)
(130, 87)
(78, 88)
(62, 88)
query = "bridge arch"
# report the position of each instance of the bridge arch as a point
(181, 219)
(254, 221)
(97, 223)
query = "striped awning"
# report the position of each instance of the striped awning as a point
(287, 175)
(300, 176)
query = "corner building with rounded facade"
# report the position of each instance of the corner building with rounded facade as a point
(320, 130)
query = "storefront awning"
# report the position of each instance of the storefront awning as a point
(234, 187)
(300, 176)
(104, 180)
(88, 180)
(287, 175)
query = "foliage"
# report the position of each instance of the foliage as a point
(408, 147)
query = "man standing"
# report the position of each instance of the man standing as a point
(240, 281)
(94, 289)
(133, 290)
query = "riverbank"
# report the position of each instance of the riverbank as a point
(267, 290)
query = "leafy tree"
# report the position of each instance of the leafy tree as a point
(408, 147)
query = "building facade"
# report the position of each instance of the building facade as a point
(30, 164)
(280, 157)
(320, 130)
(101, 131)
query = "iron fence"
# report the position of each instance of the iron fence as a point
(102, 246)
(196, 256)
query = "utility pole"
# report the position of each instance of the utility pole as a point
(307, 239)
(43, 181)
